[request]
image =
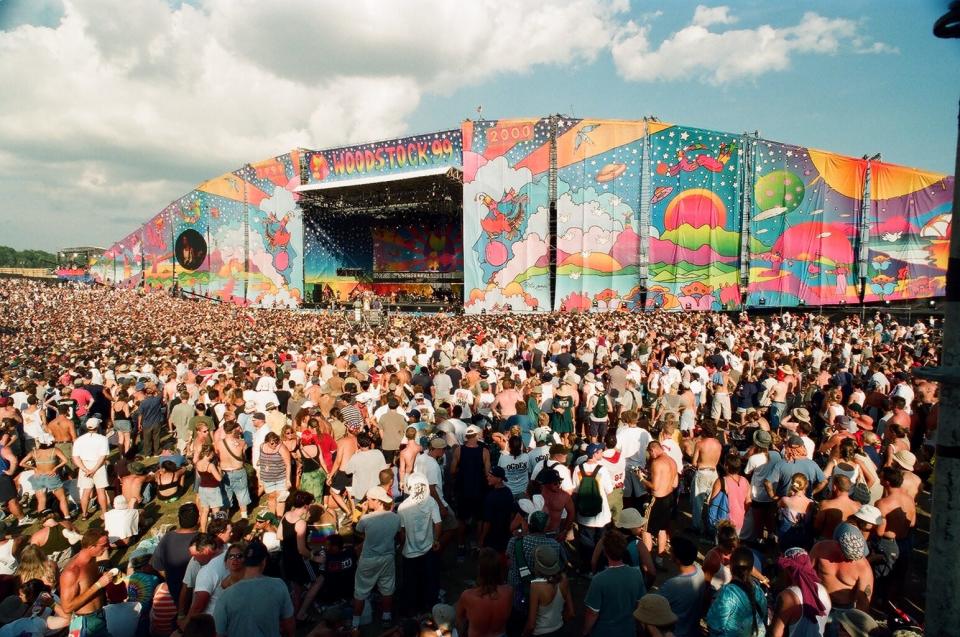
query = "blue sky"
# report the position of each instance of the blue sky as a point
(118, 108)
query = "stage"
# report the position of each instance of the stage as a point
(394, 238)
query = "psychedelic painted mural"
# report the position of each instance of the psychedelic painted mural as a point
(506, 214)
(408, 248)
(694, 220)
(199, 239)
(121, 263)
(385, 158)
(803, 226)
(599, 166)
(909, 237)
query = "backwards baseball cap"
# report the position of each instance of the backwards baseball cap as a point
(92, 423)
(498, 472)
(594, 448)
(379, 493)
(266, 516)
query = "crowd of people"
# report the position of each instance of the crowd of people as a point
(604, 474)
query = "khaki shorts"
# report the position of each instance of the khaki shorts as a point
(99, 480)
(379, 571)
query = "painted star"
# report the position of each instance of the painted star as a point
(684, 135)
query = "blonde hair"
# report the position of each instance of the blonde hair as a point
(798, 484)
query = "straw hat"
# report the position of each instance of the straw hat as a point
(905, 459)
(654, 610)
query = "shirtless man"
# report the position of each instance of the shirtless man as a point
(899, 518)
(836, 509)
(662, 486)
(339, 480)
(131, 486)
(64, 432)
(706, 455)
(688, 410)
(912, 484)
(408, 454)
(556, 501)
(81, 586)
(843, 570)
(231, 449)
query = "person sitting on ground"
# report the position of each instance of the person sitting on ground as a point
(170, 481)
(122, 522)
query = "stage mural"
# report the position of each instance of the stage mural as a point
(599, 166)
(121, 263)
(909, 239)
(694, 219)
(386, 158)
(198, 240)
(803, 226)
(506, 214)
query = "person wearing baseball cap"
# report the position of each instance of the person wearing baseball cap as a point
(795, 460)
(379, 528)
(469, 462)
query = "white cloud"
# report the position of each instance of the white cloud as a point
(696, 51)
(704, 16)
(119, 109)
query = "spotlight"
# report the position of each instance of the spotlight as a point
(932, 303)
(802, 302)
(886, 301)
(763, 301)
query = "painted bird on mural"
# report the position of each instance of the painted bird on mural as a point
(504, 216)
(687, 162)
(583, 136)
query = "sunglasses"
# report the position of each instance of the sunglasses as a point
(235, 556)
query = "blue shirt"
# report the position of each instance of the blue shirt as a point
(613, 595)
(151, 412)
(786, 469)
(685, 594)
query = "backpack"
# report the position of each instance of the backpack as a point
(601, 407)
(716, 510)
(587, 500)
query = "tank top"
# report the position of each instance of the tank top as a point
(470, 478)
(549, 616)
(4, 465)
(207, 479)
(806, 627)
(853, 474)
(271, 466)
(56, 541)
(119, 414)
(168, 490)
(309, 463)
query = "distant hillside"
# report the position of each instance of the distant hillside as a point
(10, 258)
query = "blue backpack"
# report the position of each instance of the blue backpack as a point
(716, 510)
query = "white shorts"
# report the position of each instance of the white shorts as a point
(99, 480)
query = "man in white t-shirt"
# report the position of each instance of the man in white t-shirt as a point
(90, 453)
(591, 527)
(427, 465)
(420, 525)
(121, 522)
(556, 461)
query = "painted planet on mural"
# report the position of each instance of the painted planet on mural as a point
(610, 172)
(496, 254)
(660, 193)
(190, 249)
(779, 189)
(815, 242)
(695, 207)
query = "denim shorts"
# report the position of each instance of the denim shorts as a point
(275, 487)
(210, 496)
(123, 426)
(234, 483)
(46, 482)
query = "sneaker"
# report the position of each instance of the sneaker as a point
(26, 521)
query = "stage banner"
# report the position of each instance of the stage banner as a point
(506, 215)
(599, 165)
(121, 264)
(694, 220)
(275, 259)
(191, 235)
(386, 158)
(803, 226)
(909, 239)
(158, 241)
(224, 213)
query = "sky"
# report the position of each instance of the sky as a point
(111, 109)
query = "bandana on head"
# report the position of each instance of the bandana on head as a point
(851, 541)
(796, 563)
